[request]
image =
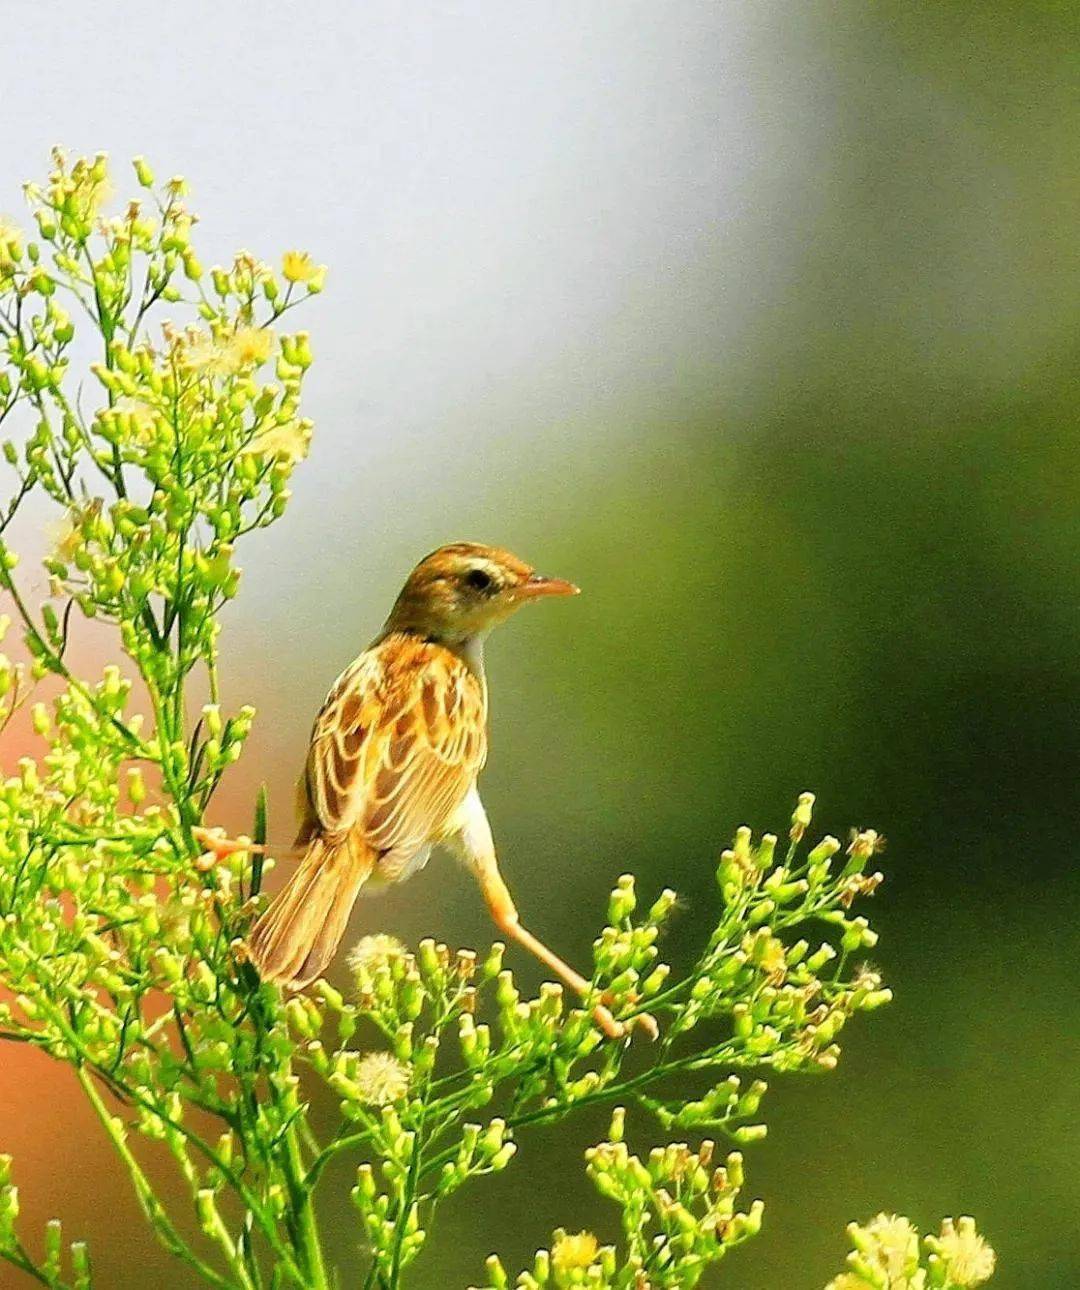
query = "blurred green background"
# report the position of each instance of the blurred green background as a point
(760, 323)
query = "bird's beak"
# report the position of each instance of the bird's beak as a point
(537, 585)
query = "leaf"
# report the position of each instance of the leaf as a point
(258, 836)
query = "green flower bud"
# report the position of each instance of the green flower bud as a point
(497, 1278)
(623, 900)
(113, 580)
(796, 953)
(663, 905)
(766, 851)
(506, 995)
(800, 819)
(53, 1246)
(503, 1156)
(825, 850)
(333, 998)
(617, 1127)
(299, 1019)
(820, 957)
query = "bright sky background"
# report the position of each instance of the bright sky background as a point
(526, 208)
(547, 227)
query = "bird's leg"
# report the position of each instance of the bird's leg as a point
(220, 846)
(505, 914)
(479, 849)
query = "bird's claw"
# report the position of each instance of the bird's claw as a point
(616, 1029)
(647, 1022)
(217, 842)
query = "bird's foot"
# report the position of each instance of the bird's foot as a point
(647, 1022)
(615, 1028)
(219, 846)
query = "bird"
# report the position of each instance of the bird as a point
(392, 767)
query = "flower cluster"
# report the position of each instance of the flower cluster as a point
(451, 1039)
(887, 1255)
(678, 1218)
(122, 947)
(179, 442)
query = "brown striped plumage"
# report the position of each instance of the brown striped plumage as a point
(395, 752)
(392, 767)
(396, 746)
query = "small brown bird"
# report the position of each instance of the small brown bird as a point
(391, 770)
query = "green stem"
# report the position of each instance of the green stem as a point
(151, 1206)
(265, 1221)
(724, 1053)
(408, 1195)
(18, 1257)
(309, 1243)
(107, 326)
(57, 664)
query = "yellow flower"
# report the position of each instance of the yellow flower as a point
(200, 352)
(10, 246)
(865, 843)
(773, 960)
(382, 1079)
(574, 1250)
(298, 266)
(848, 1281)
(66, 538)
(251, 346)
(970, 1259)
(87, 185)
(290, 441)
(11, 235)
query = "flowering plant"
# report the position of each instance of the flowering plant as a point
(122, 942)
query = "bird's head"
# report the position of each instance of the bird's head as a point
(463, 590)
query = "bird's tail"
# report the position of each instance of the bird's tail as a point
(294, 940)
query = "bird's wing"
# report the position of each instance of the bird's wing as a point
(397, 745)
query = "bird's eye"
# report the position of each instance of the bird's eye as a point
(478, 580)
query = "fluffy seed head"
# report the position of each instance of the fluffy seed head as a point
(382, 1079)
(970, 1259)
(891, 1246)
(370, 953)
